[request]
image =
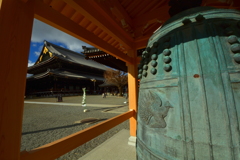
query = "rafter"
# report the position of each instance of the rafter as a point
(101, 19)
(120, 8)
(59, 21)
(73, 17)
(57, 5)
(68, 11)
(160, 13)
(121, 12)
(229, 4)
(145, 9)
(142, 42)
(138, 10)
(209, 2)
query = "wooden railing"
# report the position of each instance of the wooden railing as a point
(60, 147)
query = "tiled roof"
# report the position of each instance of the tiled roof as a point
(72, 56)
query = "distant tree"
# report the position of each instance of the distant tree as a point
(117, 78)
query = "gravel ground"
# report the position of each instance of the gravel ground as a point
(43, 124)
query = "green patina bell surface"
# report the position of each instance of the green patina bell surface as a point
(189, 96)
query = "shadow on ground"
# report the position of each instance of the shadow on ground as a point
(64, 127)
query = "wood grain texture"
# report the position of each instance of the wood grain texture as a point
(16, 20)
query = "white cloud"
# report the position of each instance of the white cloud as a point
(42, 31)
(40, 48)
(30, 63)
(37, 53)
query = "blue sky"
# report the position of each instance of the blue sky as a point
(42, 31)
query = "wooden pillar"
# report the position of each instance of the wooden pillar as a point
(133, 92)
(16, 20)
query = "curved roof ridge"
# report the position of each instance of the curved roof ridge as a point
(46, 43)
(72, 56)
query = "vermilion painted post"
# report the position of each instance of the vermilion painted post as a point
(133, 94)
(16, 20)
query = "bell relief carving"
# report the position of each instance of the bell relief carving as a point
(152, 111)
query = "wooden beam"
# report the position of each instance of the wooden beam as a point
(236, 3)
(214, 2)
(139, 7)
(48, 15)
(16, 21)
(24, 1)
(141, 44)
(122, 11)
(228, 4)
(149, 6)
(99, 17)
(60, 147)
(133, 90)
(160, 13)
(142, 41)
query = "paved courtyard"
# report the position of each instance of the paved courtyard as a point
(49, 120)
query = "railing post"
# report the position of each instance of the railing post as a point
(133, 94)
(16, 20)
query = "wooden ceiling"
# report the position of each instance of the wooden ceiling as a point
(113, 26)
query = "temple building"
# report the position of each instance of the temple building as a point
(107, 59)
(59, 70)
(104, 58)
